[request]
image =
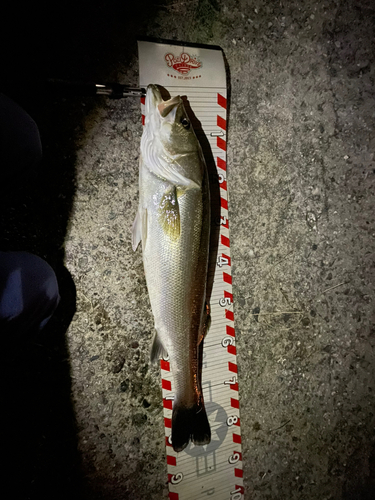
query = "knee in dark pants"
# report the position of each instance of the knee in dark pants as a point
(29, 292)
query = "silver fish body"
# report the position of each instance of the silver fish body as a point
(173, 223)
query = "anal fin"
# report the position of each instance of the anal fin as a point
(206, 323)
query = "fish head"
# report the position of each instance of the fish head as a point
(169, 124)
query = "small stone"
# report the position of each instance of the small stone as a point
(311, 220)
(82, 262)
(139, 419)
(256, 426)
(305, 321)
(124, 386)
(256, 312)
(118, 363)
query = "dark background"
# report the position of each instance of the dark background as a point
(73, 41)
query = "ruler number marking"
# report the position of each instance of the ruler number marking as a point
(231, 381)
(177, 478)
(222, 261)
(233, 459)
(232, 420)
(225, 301)
(221, 221)
(236, 494)
(227, 341)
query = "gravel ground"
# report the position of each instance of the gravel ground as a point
(301, 176)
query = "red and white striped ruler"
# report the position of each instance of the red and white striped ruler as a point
(214, 470)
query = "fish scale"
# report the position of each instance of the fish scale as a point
(169, 287)
(215, 470)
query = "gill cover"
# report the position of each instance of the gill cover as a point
(159, 119)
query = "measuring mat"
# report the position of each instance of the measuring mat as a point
(214, 470)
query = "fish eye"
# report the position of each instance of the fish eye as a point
(185, 123)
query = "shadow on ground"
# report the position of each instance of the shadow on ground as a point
(75, 41)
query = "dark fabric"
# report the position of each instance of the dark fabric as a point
(20, 146)
(29, 292)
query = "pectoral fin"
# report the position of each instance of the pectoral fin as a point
(144, 227)
(136, 231)
(157, 349)
(139, 231)
(169, 214)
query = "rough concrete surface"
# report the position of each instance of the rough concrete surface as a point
(301, 176)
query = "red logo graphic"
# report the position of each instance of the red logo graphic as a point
(183, 63)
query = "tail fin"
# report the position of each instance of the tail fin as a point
(189, 423)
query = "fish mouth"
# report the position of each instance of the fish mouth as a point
(154, 101)
(166, 107)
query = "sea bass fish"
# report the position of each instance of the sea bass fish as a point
(173, 223)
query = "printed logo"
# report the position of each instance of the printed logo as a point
(183, 63)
